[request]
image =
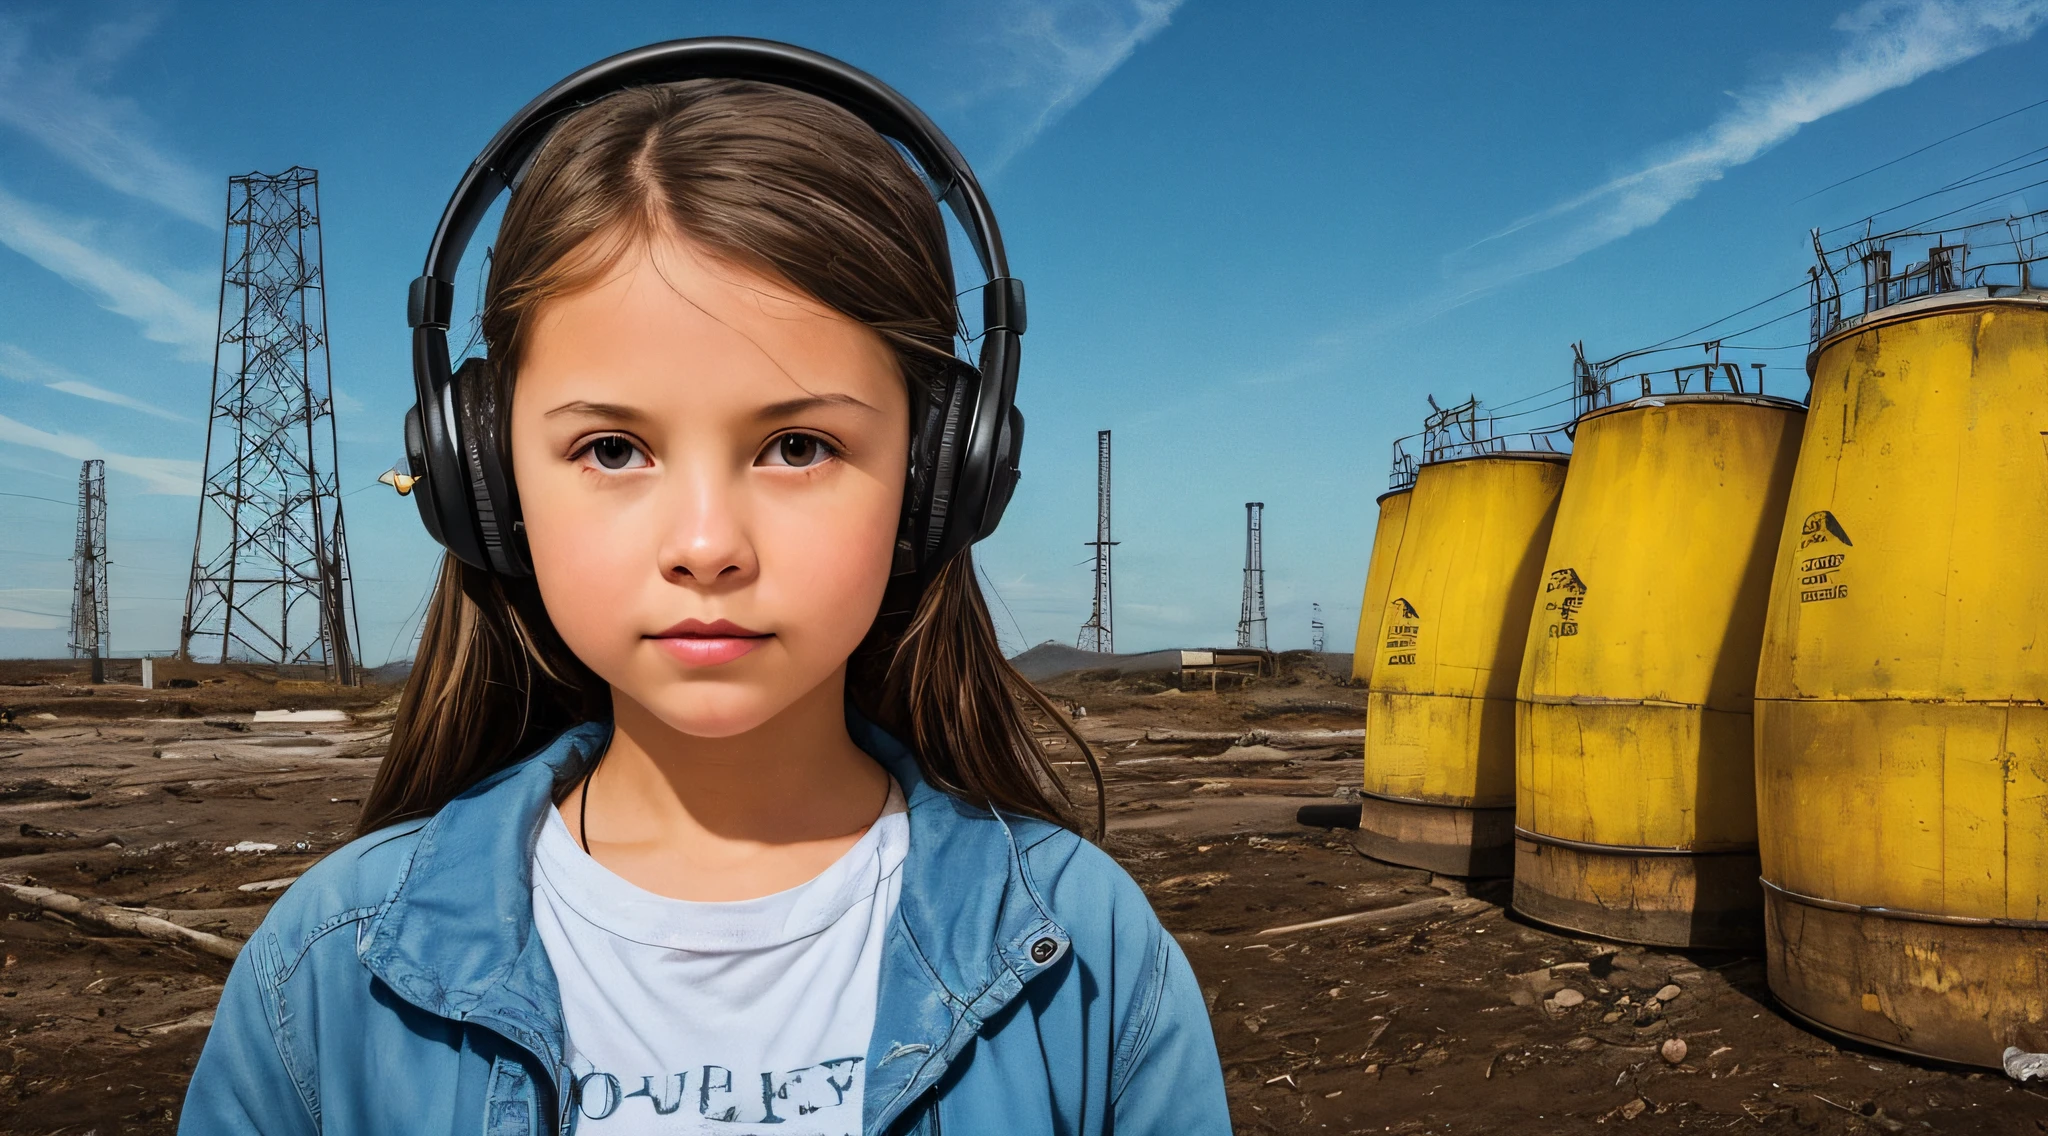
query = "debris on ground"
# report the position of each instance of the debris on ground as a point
(1347, 995)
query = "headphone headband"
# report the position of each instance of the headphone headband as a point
(965, 463)
(723, 57)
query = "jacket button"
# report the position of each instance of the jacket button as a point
(1043, 950)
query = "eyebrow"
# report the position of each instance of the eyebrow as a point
(782, 409)
(597, 410)
(812, 402)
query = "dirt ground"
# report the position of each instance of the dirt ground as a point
(1443, 1015)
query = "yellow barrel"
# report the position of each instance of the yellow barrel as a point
(1379, 572)
(1902, 737)
(1635, 805)
(1439, 720)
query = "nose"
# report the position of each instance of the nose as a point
(706, 544)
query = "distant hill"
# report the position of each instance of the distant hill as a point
(1052, 658)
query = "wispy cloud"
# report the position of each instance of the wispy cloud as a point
(57, 101)
(1043, 57)
(175, 476)
(21, 366)
(61, 245)
(14, 618)
(1888, 44)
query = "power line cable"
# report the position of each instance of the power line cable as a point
(1976, 178)
(1566, 385)
(411, 621)
(1672, 343)
(33, 497)
(1914, 228)
(1022, 643)
(1921, 150)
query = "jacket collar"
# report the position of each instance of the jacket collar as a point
(456, 937)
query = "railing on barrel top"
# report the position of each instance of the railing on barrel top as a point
(1598, 387)
(2000, 256)
(1454, 432)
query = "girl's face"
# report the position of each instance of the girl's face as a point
(711, 468)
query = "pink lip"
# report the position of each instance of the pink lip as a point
(695, 643)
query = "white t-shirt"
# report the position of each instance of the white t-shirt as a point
(741, 1019)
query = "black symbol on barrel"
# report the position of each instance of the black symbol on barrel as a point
(1819, 527)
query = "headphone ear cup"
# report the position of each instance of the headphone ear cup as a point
(425, 490)
(1003, 479)
(494, 504)
(948, 449)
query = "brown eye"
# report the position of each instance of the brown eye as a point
(615, 452)
(798, 451)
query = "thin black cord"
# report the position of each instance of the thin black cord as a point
(583, 806)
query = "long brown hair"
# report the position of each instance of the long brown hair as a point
(798, 188)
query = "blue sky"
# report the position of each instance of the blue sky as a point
(1256, 236)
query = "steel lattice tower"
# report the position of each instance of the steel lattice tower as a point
(270, 575)
(1099, 633)
(89, 633)
(1251, 617)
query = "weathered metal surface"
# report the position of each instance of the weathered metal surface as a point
(1902, 739)
(1641, 895)
(1439, 724)
(1379, 573)
(1446, 839)
(1938, 989)
(1633, 725)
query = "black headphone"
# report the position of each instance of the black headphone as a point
(963, 464)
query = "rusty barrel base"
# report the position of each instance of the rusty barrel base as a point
(1450, 840)
(1641, 895)
(1951, 991)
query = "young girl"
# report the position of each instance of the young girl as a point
(711, 804)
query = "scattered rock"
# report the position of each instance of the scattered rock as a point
(278, 884)
(1566, 998)
(1669, 992)
(1582, 1044)
(1528, 989)
(1673, 1050)
(250, 846)
(1633, 1109)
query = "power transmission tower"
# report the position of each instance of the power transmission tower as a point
(1251, 618)
(89, 633)
(1098, 634)
(1315, 627)
(270, 575)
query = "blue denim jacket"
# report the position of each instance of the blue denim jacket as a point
(399, 986)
